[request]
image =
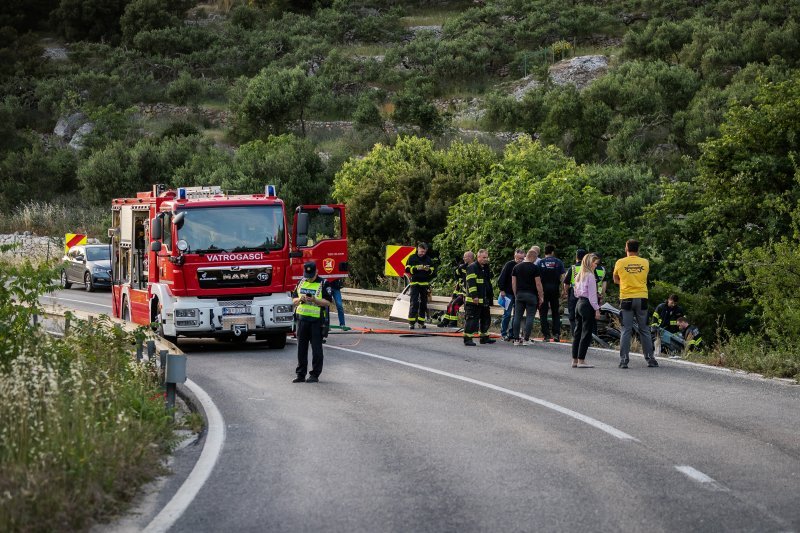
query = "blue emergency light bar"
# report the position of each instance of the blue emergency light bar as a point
(181, 193)
(270, 191)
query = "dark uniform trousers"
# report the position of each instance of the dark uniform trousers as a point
(550, 303)
(478, 318)
(309, 331)
(418, 308)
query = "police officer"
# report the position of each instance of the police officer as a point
(600, 277)
(419, 271)
(479, 299)
(312, 298)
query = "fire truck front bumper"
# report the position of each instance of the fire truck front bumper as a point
(196, 317)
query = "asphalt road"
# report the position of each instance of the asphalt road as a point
(493, 438)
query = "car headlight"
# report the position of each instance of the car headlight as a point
(283, 309)
(99, 270)
(186, 313)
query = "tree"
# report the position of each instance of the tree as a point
(142, 15)
(289, 163)
(270, 100)
(401, 194)
(90, 20)
(535, 195)
(366, 115)
(412, 107)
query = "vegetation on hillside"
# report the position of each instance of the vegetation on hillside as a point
(688, 141)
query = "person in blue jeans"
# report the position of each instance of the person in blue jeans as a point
(507, 291)
(336, 289)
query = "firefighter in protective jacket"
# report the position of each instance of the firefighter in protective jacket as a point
(419, 271)
(450, 318)
(479, 299)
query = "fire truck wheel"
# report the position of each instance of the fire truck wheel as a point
(276, 341)
(87, 282)
(64, 280)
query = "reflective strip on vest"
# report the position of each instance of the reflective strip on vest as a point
(308, 309)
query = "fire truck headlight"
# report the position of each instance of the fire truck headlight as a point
(182, 245)
(283, 309)
(186, 313)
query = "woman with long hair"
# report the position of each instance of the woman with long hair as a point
(587, 310)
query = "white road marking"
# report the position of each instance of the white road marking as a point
(700, 477)
(59, 299)
(215, 438)
(544, 403)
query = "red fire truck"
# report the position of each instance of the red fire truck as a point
(196, 262)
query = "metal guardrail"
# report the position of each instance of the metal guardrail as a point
(437, 303)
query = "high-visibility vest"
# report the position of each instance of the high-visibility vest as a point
(575, 270)
(314, 288)
(600, 273)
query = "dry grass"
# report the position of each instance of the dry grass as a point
(56, 219)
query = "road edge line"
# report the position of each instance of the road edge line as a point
(212, 449)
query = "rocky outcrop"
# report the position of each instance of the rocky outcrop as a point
(579, 71)
(67, 126)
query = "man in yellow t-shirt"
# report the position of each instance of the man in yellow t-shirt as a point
(630, 273)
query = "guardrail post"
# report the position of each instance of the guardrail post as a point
(151, 350)
(66, 325)
(35, 319)
(162, 364)
(175, 373)
(139, 349)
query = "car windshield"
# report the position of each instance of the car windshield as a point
(233, 229)
(97, 253)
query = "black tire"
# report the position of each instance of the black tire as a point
(276, 341)
(65, 280)
(87, 282)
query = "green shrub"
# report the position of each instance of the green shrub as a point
(82, 424)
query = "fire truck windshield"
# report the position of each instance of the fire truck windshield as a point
(233, 229)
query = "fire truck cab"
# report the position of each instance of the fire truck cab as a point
(195, 262)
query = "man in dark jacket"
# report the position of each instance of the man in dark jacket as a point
(450, 318)
(507, 291)
(419, 271)
(552, 270)
(479, 299)
(667, 314)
